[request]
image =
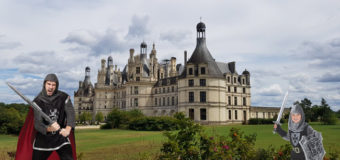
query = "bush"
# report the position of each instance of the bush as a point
(329, 118)
(154, 124)
(191, 142)
(262, 121)
(121, 119)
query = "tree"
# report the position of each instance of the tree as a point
(327, 115)
(99, 117)
(11, 121)
(85, 117)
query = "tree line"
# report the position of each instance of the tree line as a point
(318, 113)
(12, 117)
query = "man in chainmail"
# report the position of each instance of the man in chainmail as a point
(53, 137)
(297, 128)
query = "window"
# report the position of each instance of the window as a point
(234, 79)
(168, 89)
(156, 91)
(257, 114)
(202, 70)
(235, 114)
(229, 100)
(228, 79)
(173, 101)
(173, 89)
(191, 113)
(163, 90)
(137, 70)
(228, 88)
(203, 96)
(131, 90)
(155, 101)
(136, 89)
(202, 82)
(229, 114)
(244, 90)
(191, 82)
(190, 71)
(168, 101)
(136, 102)
(203, 112)
(235, 89)
(160, 101)
(244, 101)
(163, 101)
(159, 90)
(161, 75)
(191, 97)
(264, 115)
(235, 101)
(243, 81)
(137, 78)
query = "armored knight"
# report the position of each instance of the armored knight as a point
(306, 142)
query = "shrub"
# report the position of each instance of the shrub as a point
(121, 119)
(262, 121)
(191, 142)
(154, 124)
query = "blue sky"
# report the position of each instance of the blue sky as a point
(286, 45)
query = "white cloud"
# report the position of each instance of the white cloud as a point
(273, 90)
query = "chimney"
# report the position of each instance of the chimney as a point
(115, 67)
(231, 66)
(173, 66)
(185, 57)
(103, 64)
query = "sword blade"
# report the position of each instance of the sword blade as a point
(281, 109)
(33, 104)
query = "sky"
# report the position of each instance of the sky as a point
(285, 45)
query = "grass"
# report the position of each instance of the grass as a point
(124, 144)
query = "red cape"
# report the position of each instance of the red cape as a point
(26, 138)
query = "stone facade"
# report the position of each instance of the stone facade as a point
(207, 91)
(266, 112)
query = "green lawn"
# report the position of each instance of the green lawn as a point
(125, 144)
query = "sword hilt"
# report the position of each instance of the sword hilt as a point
(277, 123)
(54, 132)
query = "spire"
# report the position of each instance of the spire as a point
(87, 80)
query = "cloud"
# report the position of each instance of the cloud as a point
(26, 85)
(175, 36)
(330, 77)
(273, 90)
(320, 54)
(4, 44)
(139, 27)
(96, 43)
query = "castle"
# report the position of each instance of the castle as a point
(207, 91)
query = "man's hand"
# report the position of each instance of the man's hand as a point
(54, 127)
(275, 126)
(65, 131)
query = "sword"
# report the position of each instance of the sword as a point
(33, 105)
(277, 122)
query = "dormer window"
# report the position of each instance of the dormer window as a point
(190, 71)
(137, 70)
(202, 70)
